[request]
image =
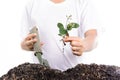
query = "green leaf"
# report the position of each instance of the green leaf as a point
(69, 27)
(62, 30)
(72, 25)
(60, 25)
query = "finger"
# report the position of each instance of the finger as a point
(76, 43)
(69, 39)
(31, 36)
(30, 47)
(31, 42)
(77, 53)
(76, 49)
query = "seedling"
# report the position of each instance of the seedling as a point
(63, 30)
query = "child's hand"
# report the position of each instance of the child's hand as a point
(29, 41)
(77, 44)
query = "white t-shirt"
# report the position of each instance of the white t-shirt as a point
(45, 15)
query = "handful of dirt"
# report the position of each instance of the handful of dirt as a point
(29, 71)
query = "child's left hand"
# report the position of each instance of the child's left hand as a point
(78, 46)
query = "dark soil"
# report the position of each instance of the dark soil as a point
(28, 71)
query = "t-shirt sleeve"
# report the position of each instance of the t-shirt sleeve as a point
(89, 16)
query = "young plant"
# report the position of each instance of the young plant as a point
(63, 30)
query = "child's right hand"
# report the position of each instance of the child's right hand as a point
(28, 42)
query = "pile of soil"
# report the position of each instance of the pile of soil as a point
(30, 71)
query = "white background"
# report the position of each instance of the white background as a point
(11, 54)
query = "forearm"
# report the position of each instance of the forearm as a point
(90, 40)
(89, 43)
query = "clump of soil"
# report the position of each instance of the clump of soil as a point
(30, 71)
